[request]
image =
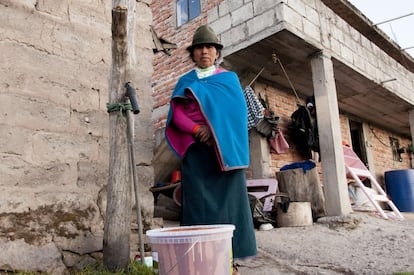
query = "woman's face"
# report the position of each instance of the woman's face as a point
(205, 55)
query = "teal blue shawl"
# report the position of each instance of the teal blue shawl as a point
(222, 103)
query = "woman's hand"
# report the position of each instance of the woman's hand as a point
(203, 134)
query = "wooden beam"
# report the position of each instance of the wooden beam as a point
(116, 243)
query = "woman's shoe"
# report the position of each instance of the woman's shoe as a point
(236, 269)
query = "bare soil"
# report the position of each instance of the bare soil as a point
(359, 243)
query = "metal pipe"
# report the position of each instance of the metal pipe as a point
(130, 137)
(388, 80)
(132, 97)
(389, 20)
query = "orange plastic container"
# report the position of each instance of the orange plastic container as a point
(176, 176)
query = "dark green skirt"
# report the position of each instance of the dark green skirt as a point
(211, 196)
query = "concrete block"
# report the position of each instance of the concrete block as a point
(49, 148)
(222, 24)
(57, 8)
(370, 70)
(16, 140)
(359, 62)
(91, 12)
(325, 33)
(93, 123)
(260, 6)
(336, 33)
(228, 6)
(311, 30)
(312, 15)
(292, 17)
(408, 84)
(29, 4)
(89, 172)
(234, 35)
(380, 73)
(212, 14)
(311, 3)
(160, 112)
(383, 59)
(34, 114)
(298, 6)
(143, 15)
(242, 14)
(261, 22)
(279, 10)
(347, 54)
(366, 44)
(355, 35)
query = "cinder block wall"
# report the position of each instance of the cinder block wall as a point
(242, 23)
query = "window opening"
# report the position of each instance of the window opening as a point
(357, 140)
(187, 10)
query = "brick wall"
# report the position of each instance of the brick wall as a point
(283, 103)
(379, 142)
(167, 69)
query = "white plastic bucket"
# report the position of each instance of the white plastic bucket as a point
(298, 214)
(188, 250)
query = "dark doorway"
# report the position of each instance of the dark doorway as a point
(357, 139)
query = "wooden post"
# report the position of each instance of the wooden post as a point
(303, 187)
(116, 243)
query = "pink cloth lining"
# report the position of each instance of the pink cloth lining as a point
(187, 113)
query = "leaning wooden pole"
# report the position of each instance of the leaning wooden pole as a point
(116, 243)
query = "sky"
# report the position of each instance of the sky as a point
(400, 30)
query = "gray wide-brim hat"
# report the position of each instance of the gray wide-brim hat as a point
(205, 35)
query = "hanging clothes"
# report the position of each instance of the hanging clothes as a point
(254, 108)
(278, 143)
(314, 138)
(301, 131)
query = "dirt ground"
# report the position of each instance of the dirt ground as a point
(360, 243)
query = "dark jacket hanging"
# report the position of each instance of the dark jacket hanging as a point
(301, 131)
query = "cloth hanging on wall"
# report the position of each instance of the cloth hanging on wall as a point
(278, 143)
(301, 131)
(254, 107)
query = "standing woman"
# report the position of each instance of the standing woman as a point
(207, 129)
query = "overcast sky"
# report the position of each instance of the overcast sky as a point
(400, 30)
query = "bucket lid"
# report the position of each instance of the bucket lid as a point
(190, 234)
